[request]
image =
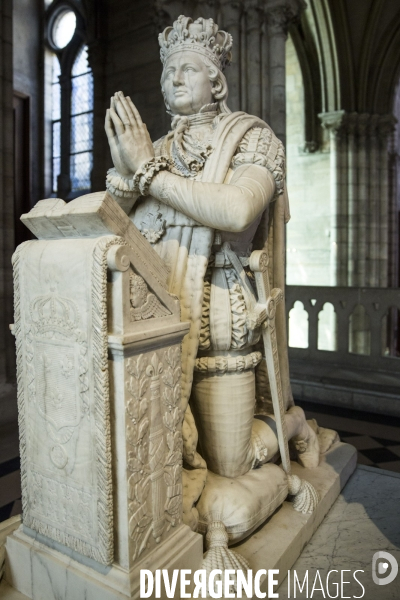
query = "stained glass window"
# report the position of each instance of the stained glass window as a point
(81, 157)
(56, 120)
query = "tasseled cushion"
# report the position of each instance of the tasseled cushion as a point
(242, 503)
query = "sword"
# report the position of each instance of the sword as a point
(306, 497)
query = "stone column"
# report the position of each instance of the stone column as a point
(280, 14)
(373, 207)
(333, 123)
(231, 15)
(352, 233)
(385, 129)
(360, 203)
(7, 350)
(253, 57)
(362, 124)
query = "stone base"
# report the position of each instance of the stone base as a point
(43, 573)
(279, 542)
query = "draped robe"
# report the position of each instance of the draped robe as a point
(186, 248)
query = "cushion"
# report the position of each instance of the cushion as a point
(242, 503)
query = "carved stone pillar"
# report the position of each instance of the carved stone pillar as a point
(373, 208)
(253, 57)
(333, 122)
(279, 14)
(352, 232)
(385, 130)
(360, 203)
(7, 360)
(231, 15)
(362, 124)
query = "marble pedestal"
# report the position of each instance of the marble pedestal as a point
(44, 573)
(50, 572)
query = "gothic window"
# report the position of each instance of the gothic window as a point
(55, 121)
(71, 154)
(81, 123)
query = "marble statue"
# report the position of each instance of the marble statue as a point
(205, 195)
(154, 400)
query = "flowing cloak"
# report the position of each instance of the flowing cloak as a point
(189, 248)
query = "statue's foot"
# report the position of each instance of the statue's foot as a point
(306, 442)
(326, 437)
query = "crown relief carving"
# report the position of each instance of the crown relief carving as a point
(201, 35)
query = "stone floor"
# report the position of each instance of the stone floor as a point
(364, 520)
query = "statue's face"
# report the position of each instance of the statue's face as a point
(136, 299)
(138, 296)
(186, 83)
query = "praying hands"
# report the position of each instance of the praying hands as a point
(129, 140)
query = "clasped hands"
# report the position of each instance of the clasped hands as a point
(129, 140)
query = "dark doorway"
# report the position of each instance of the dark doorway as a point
(22, 184)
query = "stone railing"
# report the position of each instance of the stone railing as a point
(345, 326)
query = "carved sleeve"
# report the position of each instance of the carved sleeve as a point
(122, 188)
(228, 207)
(261, 147)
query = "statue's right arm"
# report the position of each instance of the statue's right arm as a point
(228, 207)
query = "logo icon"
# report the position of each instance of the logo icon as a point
(380, 566)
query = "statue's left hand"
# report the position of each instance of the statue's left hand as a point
(125, 126)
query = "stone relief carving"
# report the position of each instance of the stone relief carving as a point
(154, 446)
(172, 420)
(57, 398)
(153, 226)
(144, 304)
(137, 435)
(57, 358)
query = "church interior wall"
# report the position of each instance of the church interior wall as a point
(28, 70)
(308, 175)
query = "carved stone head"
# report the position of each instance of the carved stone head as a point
(194, 54)
(138, 291)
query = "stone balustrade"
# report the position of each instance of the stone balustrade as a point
(359, 327)
(344, 346)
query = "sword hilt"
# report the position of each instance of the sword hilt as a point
(267, 299)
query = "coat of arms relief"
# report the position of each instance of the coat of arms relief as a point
(57, 364)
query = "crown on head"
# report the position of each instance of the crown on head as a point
(201, 35)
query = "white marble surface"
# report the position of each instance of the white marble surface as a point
(44, 573)
(363, 520)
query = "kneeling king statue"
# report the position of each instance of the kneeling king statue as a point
(210, 197)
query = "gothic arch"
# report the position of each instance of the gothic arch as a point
(316, 44)
(386, 69)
